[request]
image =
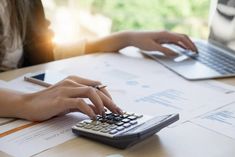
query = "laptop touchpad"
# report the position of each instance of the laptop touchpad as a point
(181, 58)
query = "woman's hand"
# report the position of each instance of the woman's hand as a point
(152, 41)
(149, 41)
(68, 96)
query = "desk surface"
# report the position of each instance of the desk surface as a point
(187, 139)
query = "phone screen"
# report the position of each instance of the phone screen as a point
(39, 77)
(50, 77)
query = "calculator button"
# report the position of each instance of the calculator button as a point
(125, 120)
(110, 122)
(119, 123)
(88, 126)
(87, 121)
(113, 131)
(105, 130)
(112, 126)
(126, 125)
(98, 117)
(80, 124)
(130, 114)
(95, 122)
(132, 117)
(139, 116)
(120, 128)
(110, 113)
(133, 122)
(125, 116)
(117, 118)
(97, 128)
(109, 117)
(103, 120)
(104, 124)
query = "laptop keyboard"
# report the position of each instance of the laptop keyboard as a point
(213, 58)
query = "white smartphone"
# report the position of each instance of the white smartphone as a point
(45, 78)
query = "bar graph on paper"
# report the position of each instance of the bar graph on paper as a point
(169, 98)
(221, 120)
(224, 116)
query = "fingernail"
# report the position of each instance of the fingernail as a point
(93, 117)
(103, 113)
(120, 110)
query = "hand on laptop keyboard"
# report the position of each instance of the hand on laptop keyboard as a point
(154, 41)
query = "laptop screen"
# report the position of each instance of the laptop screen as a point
(222, 29)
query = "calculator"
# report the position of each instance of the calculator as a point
(122, 131)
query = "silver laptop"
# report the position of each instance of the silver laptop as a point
(216, 58)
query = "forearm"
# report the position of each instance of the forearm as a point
(11, 103)
(111, 43)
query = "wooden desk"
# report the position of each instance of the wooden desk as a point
(187, 140)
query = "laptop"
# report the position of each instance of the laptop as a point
(216, 58)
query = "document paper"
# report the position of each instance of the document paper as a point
(145, 86)
(221, 120)
(136, 85)
(31, 138)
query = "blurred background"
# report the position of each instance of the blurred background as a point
(73, 19)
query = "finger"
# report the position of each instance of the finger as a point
(77, 110)
(69, 111)
(95, 110)
(85, 92)
(166, 51)
(88, 82)
(81, 105)
(106, 92)
(152, 45)
(184, 41)
(110, 104)
(66, 83)
(192, 44)
(84, 81)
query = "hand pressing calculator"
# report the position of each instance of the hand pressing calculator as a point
(122, 131)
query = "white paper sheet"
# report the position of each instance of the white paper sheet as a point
(27, 87)
(39, 137)
(15, 123)
(145, 86)
(136, 85)
(221, 120)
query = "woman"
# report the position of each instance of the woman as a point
(25, 40)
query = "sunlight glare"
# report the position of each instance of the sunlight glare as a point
(65, 27)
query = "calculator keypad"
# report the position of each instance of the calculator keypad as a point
(110, 124)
